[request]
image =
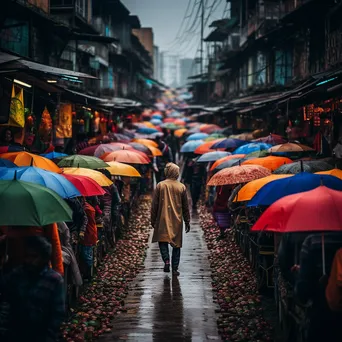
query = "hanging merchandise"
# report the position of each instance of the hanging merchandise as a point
(97, 122)
(64, 126)
(103, 125)
(45, 128)
(17, 111)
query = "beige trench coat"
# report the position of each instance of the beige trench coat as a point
(169, 208)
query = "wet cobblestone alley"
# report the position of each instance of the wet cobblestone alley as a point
(165, 308)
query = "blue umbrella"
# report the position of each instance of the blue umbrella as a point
(300, 182)
(156, 122)
(157, 116)
(147, 130)
(36, 175)
(252, 147)
(191, 146)
(6, 163)
(212, 156)
(54, 155)
(175, 114)
(197, 136)
(229, 143)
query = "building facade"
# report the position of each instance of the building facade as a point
(170, 68)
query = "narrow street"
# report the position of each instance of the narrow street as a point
(163, 308)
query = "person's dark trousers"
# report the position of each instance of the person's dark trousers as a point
(195, 189)
(164, 251)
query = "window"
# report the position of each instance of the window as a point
(283, 67)
(81, 7)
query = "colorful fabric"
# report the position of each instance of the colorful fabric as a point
(164, 251)
(90, 235)
(37, 304)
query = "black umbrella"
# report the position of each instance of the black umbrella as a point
(311, 166)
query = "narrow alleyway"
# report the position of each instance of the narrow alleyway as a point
(163, 308)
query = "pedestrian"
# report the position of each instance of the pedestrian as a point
(160, 162)
(35, 294)
(169, 208)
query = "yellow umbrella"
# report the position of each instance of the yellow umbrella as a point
(180, 132)
(29, 159)
(334, 172)
(97, 176)
(248, 191)
(120, 169)
(148, 124)
(146, 142)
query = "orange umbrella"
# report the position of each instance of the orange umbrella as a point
(126, 156)
(148, 124)
(180, 132)
(250, 189)
(146, 142)
(206, 147)
(271, 162)
(224, 159)
(334, 172)
(29, 159)
(238, 174)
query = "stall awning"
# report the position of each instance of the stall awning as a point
(87, 97)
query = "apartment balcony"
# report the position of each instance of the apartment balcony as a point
(292, 5)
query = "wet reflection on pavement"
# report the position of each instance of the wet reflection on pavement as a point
(165, 308)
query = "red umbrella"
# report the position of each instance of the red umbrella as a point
(209, 128)
(89, 151)
(309, 211)
(85, 185)
(169, 120)
(318, 210)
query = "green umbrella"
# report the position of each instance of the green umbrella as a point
(28, 204)
(83, 161)
(257, 154)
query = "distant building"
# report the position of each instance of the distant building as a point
(170, 68)
(186, 70)
(156, 63)
(145, 35)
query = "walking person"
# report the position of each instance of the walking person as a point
(160, 162)
(169, 208)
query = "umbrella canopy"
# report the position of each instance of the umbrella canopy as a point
(82, 161)
(270, 162)
(148, 124)
(6, 163)
(212, 156)
(29, 159)
(229, 163)
(97, 176)
(238, 174)
(141, 148)
(229, 143)
(209, 128)
(258, 154)
(180, 132)
(290, 147)
(197, 136)
(147, 130)
(27, 204)
(126, 156)
(146, 142)
(54, 155)
(224, 159)
(272, 139)
(171, 126)
(304, 166)
(300, 182)
(50, 180)
(180, 122)
(85, 185)
(88, 151)
(157, 117)
(317, 210)
(251, 147)
(190, 146)
(217, 136)
(156, 122)
(334, 172)
(207, 147)
(169, 120)
(120, 169)
(122, 137)
(105, 148)
(249, 190)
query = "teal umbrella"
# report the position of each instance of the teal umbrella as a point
(27, 204)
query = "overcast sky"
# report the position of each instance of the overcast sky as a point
(166, 16)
